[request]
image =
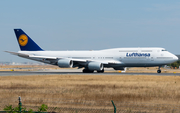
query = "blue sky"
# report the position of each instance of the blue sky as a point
(90, 25)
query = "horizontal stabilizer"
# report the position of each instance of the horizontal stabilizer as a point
(18, 54)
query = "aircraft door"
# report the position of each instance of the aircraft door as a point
(120, 58)
(152, 59)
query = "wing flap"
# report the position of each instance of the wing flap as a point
(43, 57)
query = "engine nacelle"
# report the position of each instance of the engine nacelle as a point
(118, 68)
(95, 66)
(65, 63)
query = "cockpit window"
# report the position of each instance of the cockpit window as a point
(164, 50)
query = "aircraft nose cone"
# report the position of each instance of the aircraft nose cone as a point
(175, 57)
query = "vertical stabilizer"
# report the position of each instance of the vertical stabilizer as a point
(25, 42)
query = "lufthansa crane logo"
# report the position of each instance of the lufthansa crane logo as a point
(23, 40)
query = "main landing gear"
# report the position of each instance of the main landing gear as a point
(159, 70)
(92, 71)
(88, 71)
(102, 71)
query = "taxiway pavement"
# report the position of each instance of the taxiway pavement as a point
(21, 73)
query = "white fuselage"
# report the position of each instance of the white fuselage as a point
(123, 57)
(91, 61)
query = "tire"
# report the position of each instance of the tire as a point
(88, 71)
(158, 71)
(102, 71)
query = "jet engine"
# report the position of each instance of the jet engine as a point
(95, 66)
(65, 63)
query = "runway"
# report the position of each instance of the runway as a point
(23, 73)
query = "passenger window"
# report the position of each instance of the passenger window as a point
(164, 50)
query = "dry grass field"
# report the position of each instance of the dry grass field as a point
(137, 89)
(47, 89)
(153, 89)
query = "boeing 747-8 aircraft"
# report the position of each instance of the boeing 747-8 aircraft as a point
(91, 61)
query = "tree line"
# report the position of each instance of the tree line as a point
(175, 64)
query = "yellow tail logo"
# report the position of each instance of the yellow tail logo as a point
(23, 40)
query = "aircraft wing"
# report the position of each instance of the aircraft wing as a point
(42, 57)
(54, 60)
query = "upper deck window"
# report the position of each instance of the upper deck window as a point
(164, 50)
(146, 50)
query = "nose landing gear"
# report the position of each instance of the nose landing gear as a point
(159, 70)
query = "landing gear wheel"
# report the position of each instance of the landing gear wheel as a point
(159, 71)
(102, 71)
(88, 71)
